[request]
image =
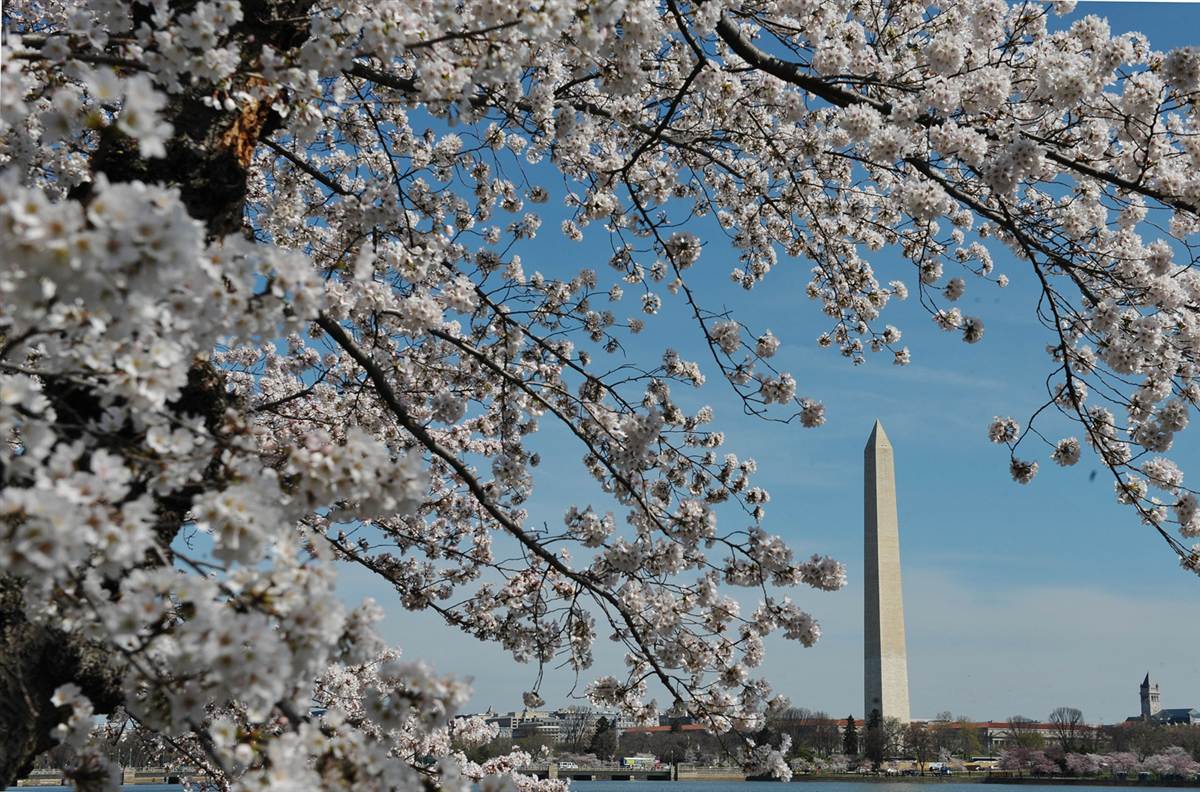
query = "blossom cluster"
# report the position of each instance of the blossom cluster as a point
(274, 304)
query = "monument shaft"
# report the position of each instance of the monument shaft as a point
(886, 660)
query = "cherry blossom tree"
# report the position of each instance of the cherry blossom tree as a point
(1017, 758)
(268, 310)
(1123, 761)
(1041, 764)
(1081, 764)
(1021, 759)
(1174, 761)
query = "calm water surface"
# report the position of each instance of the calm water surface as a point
(730, 786)
(821, 786)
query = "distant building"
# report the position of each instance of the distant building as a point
(556, 726)
(668, 728)
(1185, 716)
(515, 724)
(538, 724)
(1152, 709)
(1148, 693)
(995, 736)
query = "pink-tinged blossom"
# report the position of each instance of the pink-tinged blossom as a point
(1181, 69)
(1173, 761)
(767, 345)
(812, 413)
(1066, 451)
(1003, 430)
(1022, 470)
(955, 288)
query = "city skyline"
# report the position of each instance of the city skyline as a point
(1148, 691)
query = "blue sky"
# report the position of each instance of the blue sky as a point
(1018, 598)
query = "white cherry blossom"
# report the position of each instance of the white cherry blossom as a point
(279, 285)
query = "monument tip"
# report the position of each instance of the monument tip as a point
(878, 436)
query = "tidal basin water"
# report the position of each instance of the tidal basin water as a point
(915, 784)
(735, 786)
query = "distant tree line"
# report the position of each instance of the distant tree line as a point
(820, 742)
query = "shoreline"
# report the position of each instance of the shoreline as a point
(893, 779)
(1128, 782)
(983, 778)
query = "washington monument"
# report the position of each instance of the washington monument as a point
(886, 687)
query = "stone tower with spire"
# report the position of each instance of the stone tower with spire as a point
(1149, 694)
(885, 656)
